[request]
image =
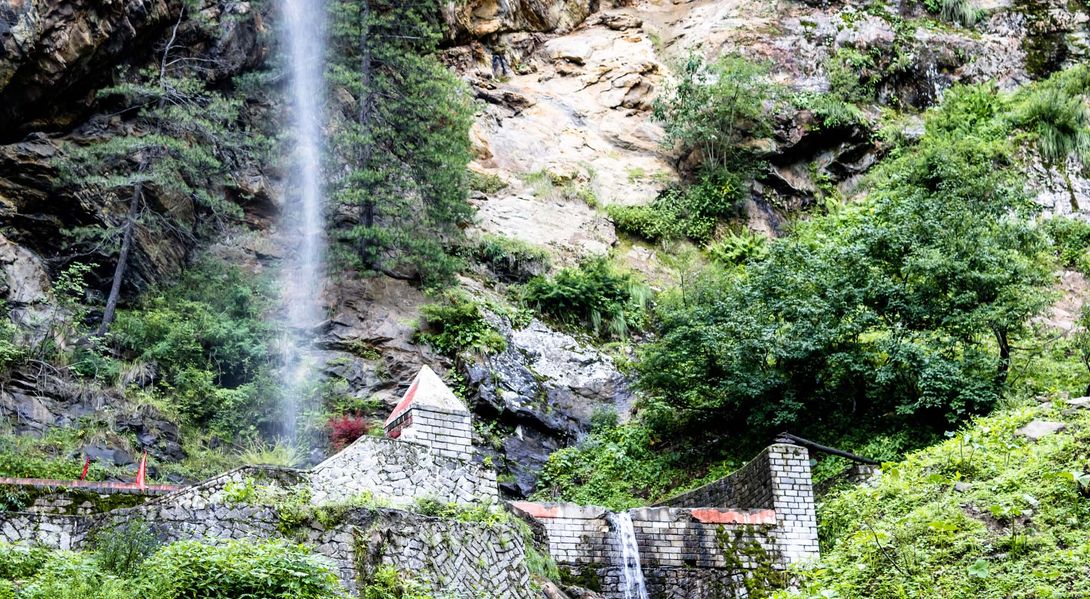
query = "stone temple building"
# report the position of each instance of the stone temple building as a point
(365, 514)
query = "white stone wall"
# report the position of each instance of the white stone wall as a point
(400, 472)
(793, 500)
(447, 432)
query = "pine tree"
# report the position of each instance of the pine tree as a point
(178, 140)
(403, 146)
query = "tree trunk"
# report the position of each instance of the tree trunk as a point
(1004, 356)
(122, 260)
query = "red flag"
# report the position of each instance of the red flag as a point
(142, 472)
(86, 465)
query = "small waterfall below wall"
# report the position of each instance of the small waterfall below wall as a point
(303, 40)
(632, 584)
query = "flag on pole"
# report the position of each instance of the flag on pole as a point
(142, 472)
(86, 466)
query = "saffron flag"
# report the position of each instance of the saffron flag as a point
(142, 472)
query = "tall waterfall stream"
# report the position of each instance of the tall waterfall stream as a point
(302, 221)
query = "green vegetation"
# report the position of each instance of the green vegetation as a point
(595, 295)
(404, 141)
(512, 260)
(987, 513)
(963, 12)
(224, 570)
(710, 113)
(11, 351)
(182, 141)
(388, 583)
(207, 340)
(875, 327)
(841, 326)
(456, 326)
(621, 467)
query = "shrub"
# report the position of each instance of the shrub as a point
(737, 249)
(956, 11)
(457, 326)
(19, 562)
(77, 576)
(246, 568)
(345, 429)
(388, 583)
(595, 295)
(277, 453)
(512, 260)
(120, 550)
(11, 351)
(1071, 241)
(486, 183)
(691, 212)
(210, 340)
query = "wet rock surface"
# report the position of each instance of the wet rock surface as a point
(544, 390)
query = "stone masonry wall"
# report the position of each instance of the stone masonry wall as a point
(462, 560)
(401, 472)
(778, 479)
(683, 552)
(448, 432)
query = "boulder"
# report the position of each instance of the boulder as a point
(1038, 429)
(548, 386)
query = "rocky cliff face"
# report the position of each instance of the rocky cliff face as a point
(565, 92)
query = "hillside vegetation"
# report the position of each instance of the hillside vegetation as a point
(987, 513)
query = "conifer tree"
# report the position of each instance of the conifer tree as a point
(177, 139)
(403, 145)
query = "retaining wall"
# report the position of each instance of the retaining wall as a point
(401, 472)
(777, 479)
(462, 560)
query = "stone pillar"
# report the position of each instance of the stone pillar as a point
(793, 501)
(430, 414)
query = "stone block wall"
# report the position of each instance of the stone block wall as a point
(448, 432)
(461, 560)
(778, 479)
(401, 472)
(684, 553)
(473, 559)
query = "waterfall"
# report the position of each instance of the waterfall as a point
(303, 39)
(634, 587)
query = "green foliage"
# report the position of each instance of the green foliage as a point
(19, 562)
(737, 249)
(388, 583)
(225, 570)
(457, 326)
(595, 295)
(897, 311)
(963, 12)
(403, 145)
(710, 112)
(1016, 526)
(208, 337)
(12, 351)
(621, 467)
(831, 110)
(690, 212)
(486, 183)
(1071, 242)
(122, 549)
(862, 75)
(713, 108)
(279, 452)
(512, 260)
